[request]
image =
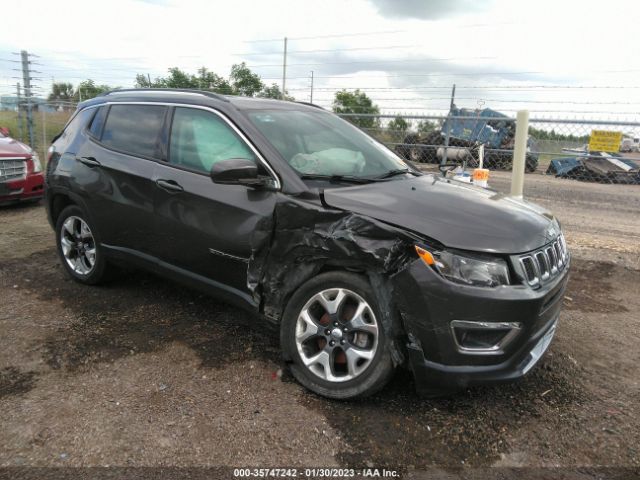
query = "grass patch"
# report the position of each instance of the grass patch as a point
(45, 126)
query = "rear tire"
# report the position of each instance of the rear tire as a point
(79, 248)
(333, 337)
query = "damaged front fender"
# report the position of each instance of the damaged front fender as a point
(305, 237)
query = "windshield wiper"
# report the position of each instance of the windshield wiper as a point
(393, 173)
(336, 178)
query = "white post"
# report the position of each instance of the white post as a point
(519, 153)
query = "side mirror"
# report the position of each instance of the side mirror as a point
(236, 171)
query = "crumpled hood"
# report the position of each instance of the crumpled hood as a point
(457, 215)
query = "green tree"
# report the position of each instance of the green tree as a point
(176, 79)
(356, 102)
(274, 91)
(61, 95)
(244, 82)
(143, 81)
(425, 126)
(89, 89)
(61, 91)
(179, 79)
(541, 134)
(399, 124)
(211, 81)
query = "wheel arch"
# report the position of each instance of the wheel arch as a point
(382, 289)
(57, 203)
(58, 200)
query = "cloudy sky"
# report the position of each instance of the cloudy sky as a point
(544, 55)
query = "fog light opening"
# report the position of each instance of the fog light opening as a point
(483, 338)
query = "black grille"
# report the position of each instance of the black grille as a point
(546, 263)
(529, 269)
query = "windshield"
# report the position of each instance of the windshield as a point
(319, 143)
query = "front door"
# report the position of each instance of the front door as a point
(203, 227)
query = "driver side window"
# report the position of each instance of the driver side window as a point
(199, 139)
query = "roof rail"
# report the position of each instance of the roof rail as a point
(310, 105)
(176, 91)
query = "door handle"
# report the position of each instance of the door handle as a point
(169, 185)
(89, 161)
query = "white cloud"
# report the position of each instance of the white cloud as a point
(562, 42)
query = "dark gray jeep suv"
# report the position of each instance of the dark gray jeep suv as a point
(363, 262)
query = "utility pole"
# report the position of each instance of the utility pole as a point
(311, 100)
(284, 68)
(19, 102)
(448, 132)
(26, 78)
(149, 78)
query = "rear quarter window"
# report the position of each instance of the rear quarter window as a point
(95, 128)
(75, 125)
(134, 129)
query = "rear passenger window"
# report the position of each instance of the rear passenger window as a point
(95, 129)
(134, 129)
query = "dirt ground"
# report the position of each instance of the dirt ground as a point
(143, 372)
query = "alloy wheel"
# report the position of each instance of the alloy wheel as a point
(78, 245)
(337, 335)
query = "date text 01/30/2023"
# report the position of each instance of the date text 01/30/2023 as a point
(314, 473)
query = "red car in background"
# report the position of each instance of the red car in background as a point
(21, 177)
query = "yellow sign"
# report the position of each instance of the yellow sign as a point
(604, 141)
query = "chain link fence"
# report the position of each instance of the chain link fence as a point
(469, 138)
(47, 120)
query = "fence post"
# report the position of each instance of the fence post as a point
(519, 153)
(44, 134)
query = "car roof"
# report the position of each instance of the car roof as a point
(195, 97)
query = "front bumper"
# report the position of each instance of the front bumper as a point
(431, 374)
(429, 304)
(30, 187)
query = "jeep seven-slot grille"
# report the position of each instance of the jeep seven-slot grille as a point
(12, 169)
(545, 263)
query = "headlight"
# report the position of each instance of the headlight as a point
(37, 166)
(468, 270)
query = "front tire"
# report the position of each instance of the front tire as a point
(78, 248)
(333, 336)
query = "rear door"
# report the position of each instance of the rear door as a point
(116, 173)
(203, 227)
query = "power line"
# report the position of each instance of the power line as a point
(326, 36)
(315, 37)
(406, 109)
(480, 87)
(279, 65)
(360, 62)
(388, 47)
(496, 100)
